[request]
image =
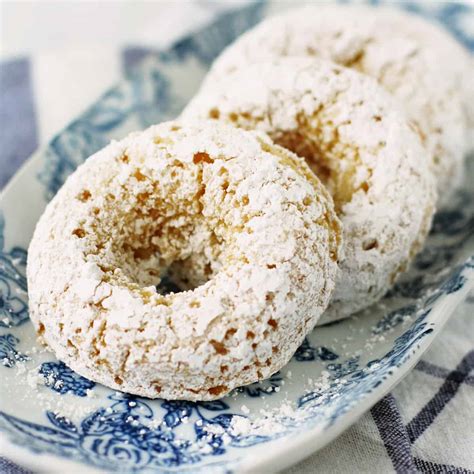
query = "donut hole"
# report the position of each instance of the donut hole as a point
(336, 164)
(167, 265)
(166, 286)
(336, 174)
(318, 140)
(159, 236)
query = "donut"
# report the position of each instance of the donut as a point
(415, 60)
(358, 143)
(259, 245)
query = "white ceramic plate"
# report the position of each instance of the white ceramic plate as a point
(54, 419)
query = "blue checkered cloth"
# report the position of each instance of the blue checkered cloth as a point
(425, 425)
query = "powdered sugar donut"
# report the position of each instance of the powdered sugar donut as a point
(355, 139)
(422, 65)
(263, 243)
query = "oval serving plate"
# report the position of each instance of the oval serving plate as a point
(54, 419)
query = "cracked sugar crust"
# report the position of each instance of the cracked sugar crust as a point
(358, 143)
(242, 221)
(417, 61)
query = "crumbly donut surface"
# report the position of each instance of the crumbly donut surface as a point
(240, 220)
(418, 62)
(363, 149)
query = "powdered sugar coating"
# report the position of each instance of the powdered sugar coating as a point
(361, 146)
(426, 69)
(260, 243)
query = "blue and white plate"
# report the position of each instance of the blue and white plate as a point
(54, 419)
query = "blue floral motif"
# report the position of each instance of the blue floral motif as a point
(125, 436)
(457, 280)
(153, 100)
(429, 288)
(208, 43)
(394, 318)
(349, 382)
(60, 378)
(455, 220)
(434, 259)
(9, 356)
(13, 309)
(457, 227)
(450, 285)
(122, 435)
(265, 387)
(66, 152)
(307, 353)
(341, 369)
(412, 288)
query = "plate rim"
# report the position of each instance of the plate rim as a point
(301, 447)
(288, 452)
